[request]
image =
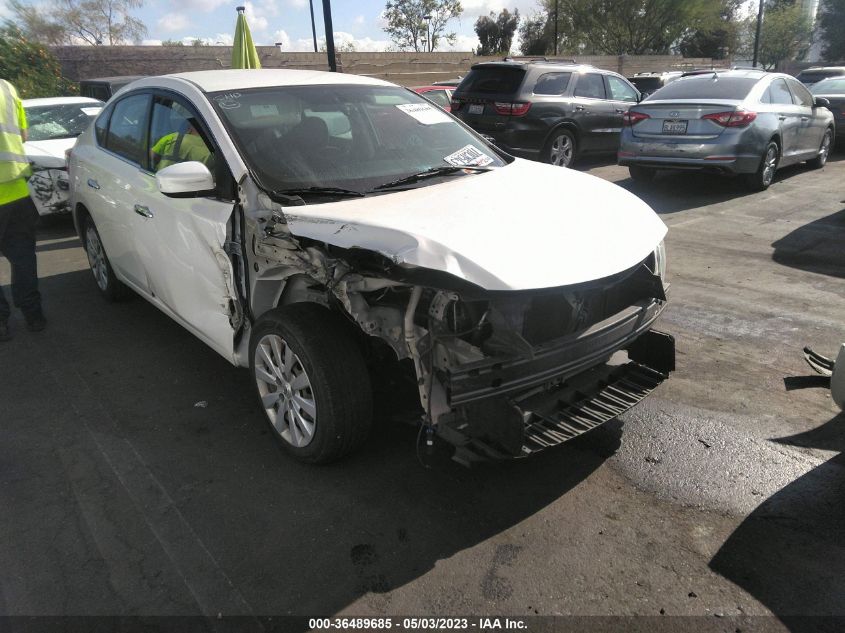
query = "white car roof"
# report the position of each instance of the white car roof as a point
(30, 103)
(216, 80)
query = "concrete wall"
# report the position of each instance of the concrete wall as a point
(409, 69)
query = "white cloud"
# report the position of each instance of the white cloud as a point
(297, 4)
(171, 22)
(150, 42)
(202, 5)
(475, 8)
(462, 43)
(282, 38)
(359, 20)
(257, 22)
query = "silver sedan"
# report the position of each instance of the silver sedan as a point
(746, 122)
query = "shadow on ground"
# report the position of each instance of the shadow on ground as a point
(817, 247)
(790, 552)
(291, 538)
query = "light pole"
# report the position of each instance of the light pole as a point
(427, 19)
(757, 34)
(327, 20)
(313, 26)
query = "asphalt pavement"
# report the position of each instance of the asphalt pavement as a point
(138, 476)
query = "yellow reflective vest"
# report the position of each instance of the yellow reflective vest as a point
(13, 162)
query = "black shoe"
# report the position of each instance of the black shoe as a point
(36, 323)
(5, 335)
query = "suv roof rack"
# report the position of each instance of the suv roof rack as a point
(541, 58)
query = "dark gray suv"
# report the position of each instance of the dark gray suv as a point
(545, 110)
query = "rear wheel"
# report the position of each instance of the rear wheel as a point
(642, 174)
(824, 151)
(312, 382)
(562, 149)
(110, 287)
(765, 174)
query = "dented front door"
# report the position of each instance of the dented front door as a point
(187, 268)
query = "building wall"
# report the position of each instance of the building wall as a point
(409, 69)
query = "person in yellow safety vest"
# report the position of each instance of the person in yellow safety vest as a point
(18, 216)
(180, 147)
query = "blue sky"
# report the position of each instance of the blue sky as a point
(289, 22)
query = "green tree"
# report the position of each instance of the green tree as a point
(411, 22)
(786, 34)
(30, 66)
(832, 27)
(718, 35)
(172, 43)
(535, 35)
(633, 27)
(94, 22)
(495, 33)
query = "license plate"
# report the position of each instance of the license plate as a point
(476, 108)
(675, 127)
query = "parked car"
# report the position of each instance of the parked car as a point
(810, 76)
(438, 95)
(648, 82)
(310, 238)
(833, 89)
(103, 88)
(543, 110)
(745, 122)
(54, 124)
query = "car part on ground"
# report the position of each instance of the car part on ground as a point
(553, 111)
(835, 370)
(730, 122)
(325, 243)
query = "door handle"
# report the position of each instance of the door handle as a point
(621, 110)
(805, 118)
(782, 117)
(93, 183)
(142, 210)
(579, 108)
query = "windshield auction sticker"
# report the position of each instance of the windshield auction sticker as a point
(424, 113)
(469, 156)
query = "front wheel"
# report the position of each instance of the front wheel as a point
(561, 149)
(312, 382)
(765, 174)
(824, 151)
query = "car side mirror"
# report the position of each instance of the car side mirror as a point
(821, 102)
(185, 180)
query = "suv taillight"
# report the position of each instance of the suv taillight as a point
(632, 118)
(735, 118)
(512, 109)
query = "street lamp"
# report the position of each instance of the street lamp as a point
(427, 19)
(327, 21)
(313, 26)
(757, 34)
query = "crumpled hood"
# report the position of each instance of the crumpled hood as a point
(524, 226)
(48, 154)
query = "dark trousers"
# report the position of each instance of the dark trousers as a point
(17, 244)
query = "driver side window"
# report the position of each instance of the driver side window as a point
(176, 136)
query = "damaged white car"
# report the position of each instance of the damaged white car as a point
(322, 229)
(54, 123)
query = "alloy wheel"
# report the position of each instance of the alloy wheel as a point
(824, 150)
(285, 390)
(561, 151)
(96, 258)
(770, 164)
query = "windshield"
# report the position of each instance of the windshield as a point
(67, 120)
(706, 87)
(344, 136)
(829, 86)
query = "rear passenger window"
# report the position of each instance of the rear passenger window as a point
(590, 86)
(127, 136)
(439, 97)
(779, 92)
(101, 127)
(552, 83)
(800, 95)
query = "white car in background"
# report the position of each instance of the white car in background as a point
(325, 228)
(54, 124)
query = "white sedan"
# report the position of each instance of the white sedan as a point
(54, 124)
(325, 229)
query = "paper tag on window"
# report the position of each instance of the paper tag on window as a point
(259, 111)
(470, 156)
(91, 111)
(424, 113)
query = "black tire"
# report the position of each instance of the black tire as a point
(107, 283)
(561, 149)
(765, 174)
(824, 151)
(641, 174)
(338, 383)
